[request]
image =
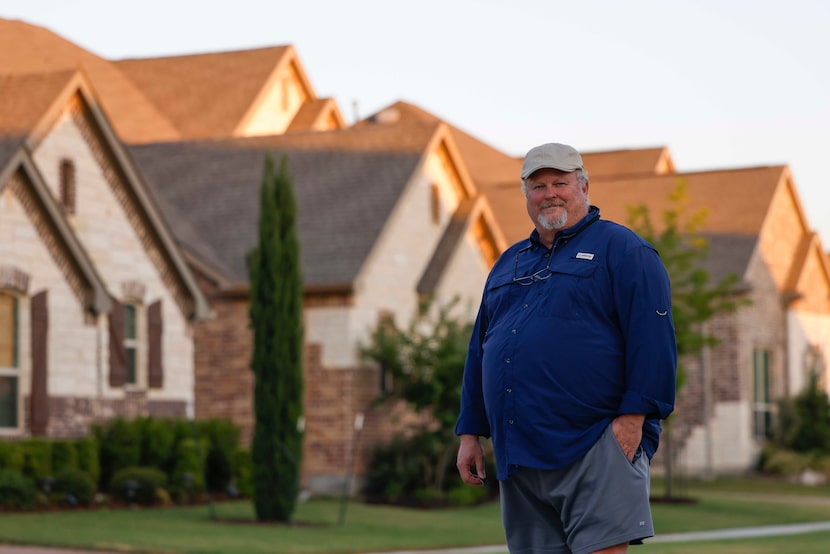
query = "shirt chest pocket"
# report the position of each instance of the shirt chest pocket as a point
(563, 293)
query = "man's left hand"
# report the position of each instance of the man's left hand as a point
(628, 430)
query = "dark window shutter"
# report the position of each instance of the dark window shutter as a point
(155, 369)
(118, 354)
(39, 400)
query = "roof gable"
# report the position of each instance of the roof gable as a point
(785, 235)
(736, 201)
(473, 215)
(216, 94)
(132, 114)
(486, 165)
(341, 177)
(24, 99)
(19, 175)
(497, 174)
(317, 115)
(809, 280)
(76, 97)
(633, 161)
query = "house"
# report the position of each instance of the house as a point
(757, 230)
(387, 217)
(401, 206)
(97, 304)
(262, 91)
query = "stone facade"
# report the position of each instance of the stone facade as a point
(113, 236)
(720, 425)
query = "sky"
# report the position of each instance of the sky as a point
(722, 83)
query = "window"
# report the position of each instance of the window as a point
(67, 185)
(762, 408)
(131, 342)
(9, 353)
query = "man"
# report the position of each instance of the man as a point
(571, 366)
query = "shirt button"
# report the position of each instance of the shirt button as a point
(509, 389)
(515, 331)
(510, 421)
(507, 360)
(524, 306)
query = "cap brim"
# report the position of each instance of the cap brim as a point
(568, 169)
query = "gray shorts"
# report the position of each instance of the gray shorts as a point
(598, 501)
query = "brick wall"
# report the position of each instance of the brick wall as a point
(73, 416)
(333, 396)
(223, 378)
(719, 437)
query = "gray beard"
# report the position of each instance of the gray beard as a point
(551, 224)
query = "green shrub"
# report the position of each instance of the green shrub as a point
(16, 490)
(223, 442)
(74, 486)
(804, 421)
(87, 451)
(187, 478)
(822, 465)
(120, 447)
(394, 472)
(37, 459)
(12, 455)
(184, 450)
(157, 438)
(137, 485)
(466, 495)
(64, 455)
(241, 482)
(785, 463)
(403, 471)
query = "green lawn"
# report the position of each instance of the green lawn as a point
(721, 504)
(811, 543)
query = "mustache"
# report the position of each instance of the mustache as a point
(551, 205)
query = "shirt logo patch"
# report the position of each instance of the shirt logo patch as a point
(584, 256)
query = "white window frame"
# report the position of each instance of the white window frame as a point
(137, 344)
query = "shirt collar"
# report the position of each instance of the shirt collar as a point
(578, 227)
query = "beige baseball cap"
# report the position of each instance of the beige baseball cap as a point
(551, 155)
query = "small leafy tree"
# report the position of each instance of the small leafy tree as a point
(276, 312)
(805, 421)
(424, 364)
(694, 300)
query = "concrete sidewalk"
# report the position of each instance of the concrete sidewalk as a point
(740, 533)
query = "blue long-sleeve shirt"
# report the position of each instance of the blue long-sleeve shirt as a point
(550, 364)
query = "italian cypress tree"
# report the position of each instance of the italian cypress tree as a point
(276, 312)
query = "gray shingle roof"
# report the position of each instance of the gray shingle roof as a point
(8, 146)
(728, 253)
(343, 198)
